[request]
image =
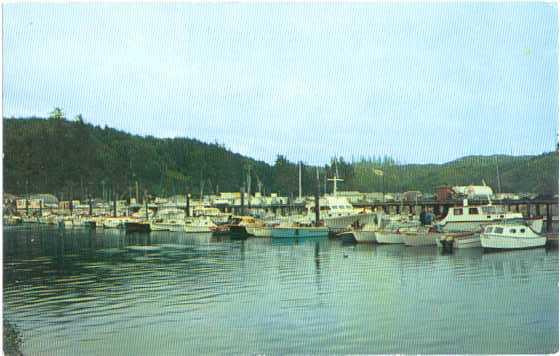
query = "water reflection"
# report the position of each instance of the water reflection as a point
(172, 291)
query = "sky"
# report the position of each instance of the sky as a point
(418, 82)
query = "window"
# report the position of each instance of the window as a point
(473, 211)
(499, 230)
(522, 231)
(488, 229)
(458, 211)
(513, 231)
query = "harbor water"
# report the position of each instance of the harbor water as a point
(81, 292)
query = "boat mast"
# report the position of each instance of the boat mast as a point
(335, 179)
(498, 176)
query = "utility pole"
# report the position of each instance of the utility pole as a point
(498, 176)
(317, 193)
(249, 187)
(299, 182)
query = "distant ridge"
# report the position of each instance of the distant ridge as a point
(75, 158)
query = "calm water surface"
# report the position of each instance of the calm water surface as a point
(104, 292)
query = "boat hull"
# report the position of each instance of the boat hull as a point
(382, 237)
(282, 232)
(491, 242)
(464, 226)
(238, 232)
(421, 239)
(260, 231)
(463, 240)
(136, 227)
(342, 222)
(364, 236)
(196, 229)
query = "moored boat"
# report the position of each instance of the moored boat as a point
(365, 234)
(116, 223)
(459, 240)
(471, 218)
(423, 236)
(389, 237)
(294, 230)
(259, 231)
(13, 220)
(238, 226)
(510, 236)
(137, 226)
(199, 225)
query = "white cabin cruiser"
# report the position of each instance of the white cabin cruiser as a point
(169, 219)
(199, 225)
(510, 236)
(338, 214)
(471, 218)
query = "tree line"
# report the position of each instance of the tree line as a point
(72, 158)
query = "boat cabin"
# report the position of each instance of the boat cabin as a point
(515, 230)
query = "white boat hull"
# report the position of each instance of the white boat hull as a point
(388, 237)
(489, 241)
(342, 222)
(421, 239)
(259, 231)
(364, 236)
(464, 226)
(197, 229)
(463, 242)
(167, 227)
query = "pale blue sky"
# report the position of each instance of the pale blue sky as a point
(419, 82)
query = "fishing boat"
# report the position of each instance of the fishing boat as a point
(450, 241)
(510, 236)
(471, 218)
(422, 236)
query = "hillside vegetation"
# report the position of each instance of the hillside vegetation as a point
(74, 158)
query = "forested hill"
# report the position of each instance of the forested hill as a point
(75, 158)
